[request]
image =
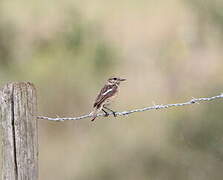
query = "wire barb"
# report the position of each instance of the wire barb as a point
(192, 101)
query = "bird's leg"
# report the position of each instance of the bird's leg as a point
(113, 112)
(106, 113)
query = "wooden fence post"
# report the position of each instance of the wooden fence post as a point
(19, 132)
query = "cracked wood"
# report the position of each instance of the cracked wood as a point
(19, 132)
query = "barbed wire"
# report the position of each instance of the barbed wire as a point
(154, 107)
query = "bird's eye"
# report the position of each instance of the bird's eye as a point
(115, 78)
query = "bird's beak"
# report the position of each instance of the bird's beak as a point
(122, 79)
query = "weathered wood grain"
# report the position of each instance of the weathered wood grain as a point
(19, 132)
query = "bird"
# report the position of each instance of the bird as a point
(106, 95)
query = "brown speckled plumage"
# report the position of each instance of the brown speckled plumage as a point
(106, 95)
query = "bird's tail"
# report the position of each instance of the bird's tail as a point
(94, 114)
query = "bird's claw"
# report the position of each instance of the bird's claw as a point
(114, 114)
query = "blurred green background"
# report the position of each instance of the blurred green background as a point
(170, 51)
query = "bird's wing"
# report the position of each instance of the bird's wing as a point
(106, 92)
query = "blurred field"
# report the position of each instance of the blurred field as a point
(168, 50)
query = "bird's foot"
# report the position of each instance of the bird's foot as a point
(106, 115)
(114, 114)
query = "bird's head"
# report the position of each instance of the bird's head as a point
(115, 80)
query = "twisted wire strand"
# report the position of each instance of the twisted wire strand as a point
(156, 107)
